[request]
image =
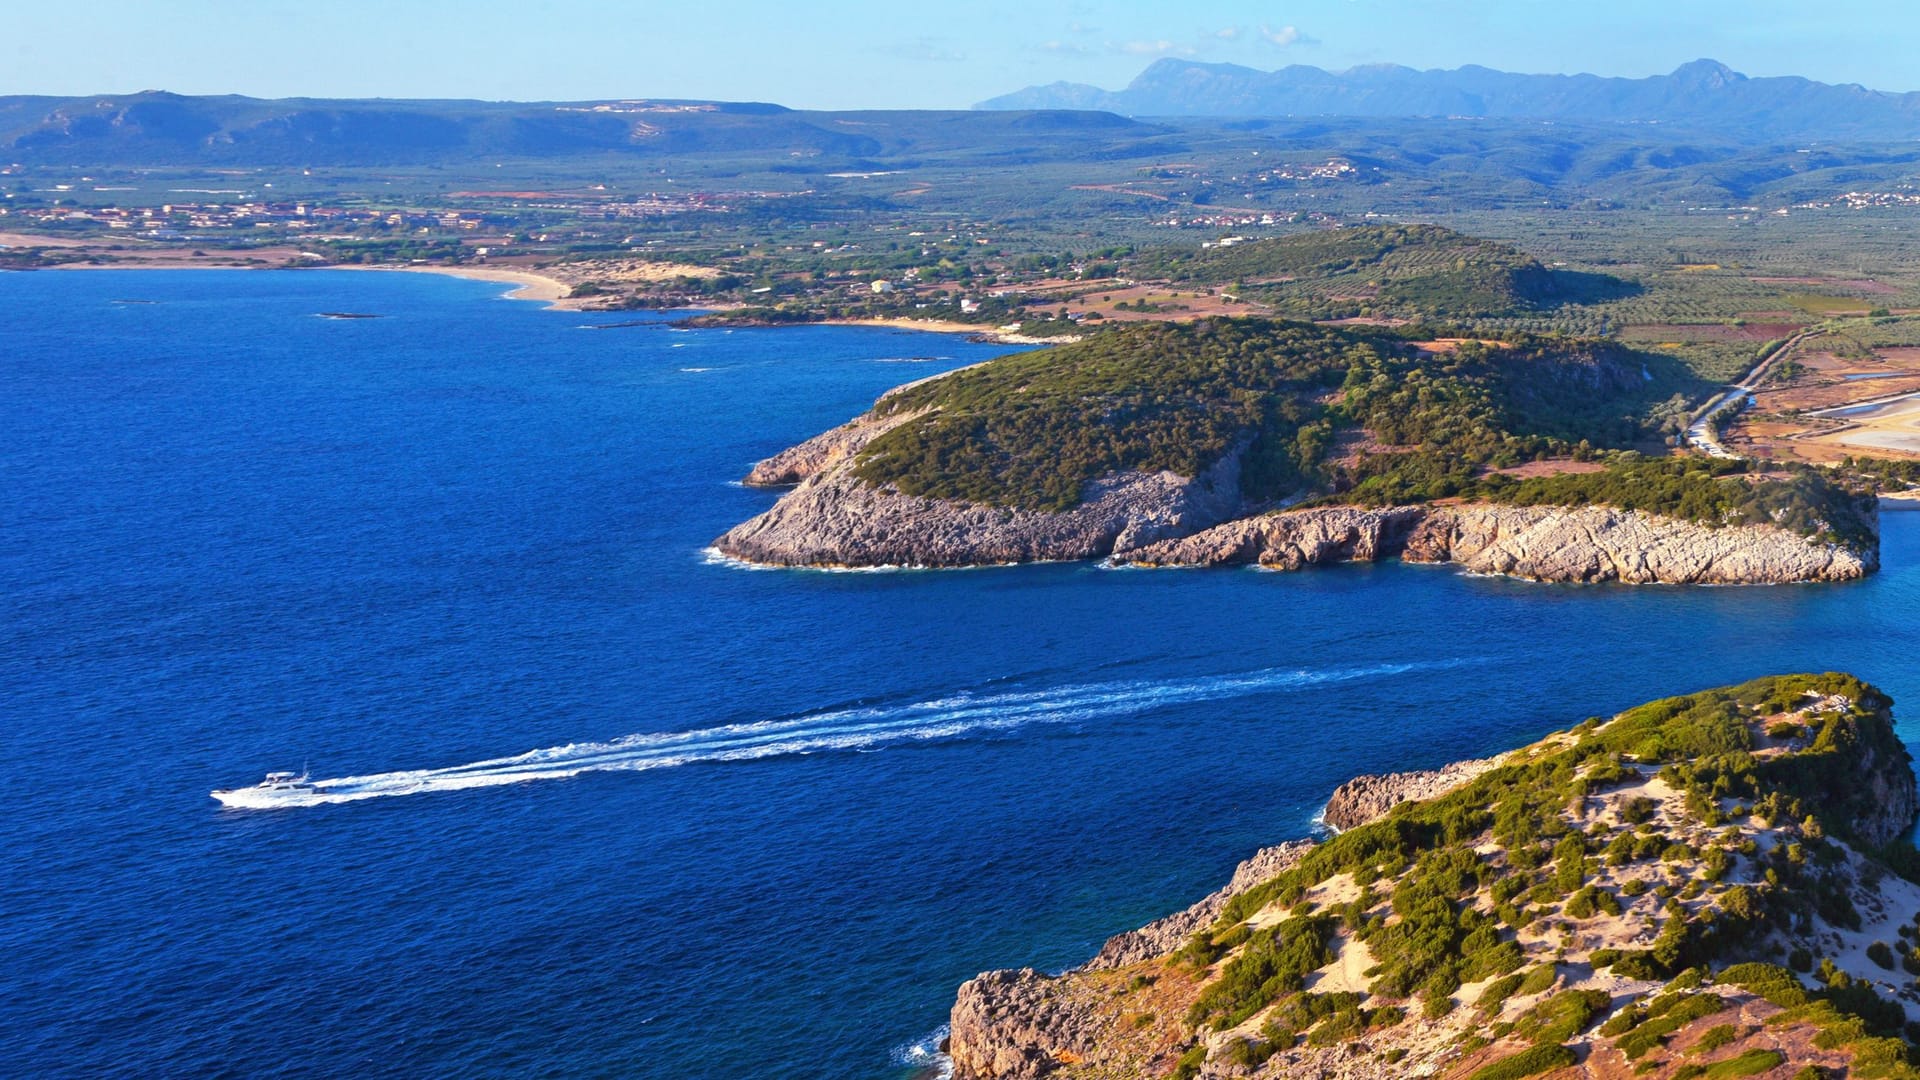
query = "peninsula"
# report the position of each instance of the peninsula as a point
(1286, 444)
(1714, 885)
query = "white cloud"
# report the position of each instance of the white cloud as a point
(1230, 33)
(1285, 35)
(1161, 47)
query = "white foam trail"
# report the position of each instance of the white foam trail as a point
(866, 727)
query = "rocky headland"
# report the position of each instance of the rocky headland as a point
(1369, 797)
(1540, 543)
(834, 518)
(1702, 886)
(1254, 441)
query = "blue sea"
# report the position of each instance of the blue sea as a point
(635, 811)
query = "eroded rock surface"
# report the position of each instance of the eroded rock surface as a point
(1365, 798)
(1542, 543)
(835, 519)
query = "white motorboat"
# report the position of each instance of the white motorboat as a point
(278, 789)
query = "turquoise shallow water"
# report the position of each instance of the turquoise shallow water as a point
(773, 817)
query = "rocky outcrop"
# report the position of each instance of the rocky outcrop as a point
(832, 518)
(1164, 935)
(1289, 540)
(835, 519)
(829, 448)
(1599, 543)
(1884, 802)
(1364, 798)
(1144, 1007)
(1542, 543)
(1019, 1025)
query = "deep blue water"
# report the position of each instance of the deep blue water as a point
(236, 537)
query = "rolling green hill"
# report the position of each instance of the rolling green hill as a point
(1421, 270)
(1031, 430)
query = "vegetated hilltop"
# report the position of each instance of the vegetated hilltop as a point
(1032, 430)
(1703, 93)
(1714, 885)
(160, 128)
(1038, 170)
(1403, 270)
(1150, 433)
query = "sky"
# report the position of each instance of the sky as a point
(896, 53)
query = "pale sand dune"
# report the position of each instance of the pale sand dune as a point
(23, 240)
(1893, 426)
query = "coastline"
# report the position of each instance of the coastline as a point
(529, 285)
(944, 326)
(1120, 1012)
(550, 291)
(556, 295)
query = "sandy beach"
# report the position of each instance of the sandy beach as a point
(946, 326)
(530, 286)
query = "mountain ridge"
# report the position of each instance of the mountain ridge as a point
(1700, 92)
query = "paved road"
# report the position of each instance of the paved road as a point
(1700, 434)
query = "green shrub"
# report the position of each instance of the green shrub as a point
(1560, 1017)
(1189, 1064)
(1275, 961)
(1714, 1038)
(1881, 953)
(1750, 1063)
(1529, 1062)
(1664, 1016)
(1538, 980)
(1771, 981)
(1497, 992)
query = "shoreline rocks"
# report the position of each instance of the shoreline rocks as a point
(1367, 797)
(1539, 543)
(1020, 1024)
(833, 519)
(1095, 1022)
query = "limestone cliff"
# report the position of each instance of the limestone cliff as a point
(1364, 798)
(1542, 543)
(835, 519)
(1599, 904)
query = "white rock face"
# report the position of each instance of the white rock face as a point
(834, 519)
(1599, 543)
(1542, 543)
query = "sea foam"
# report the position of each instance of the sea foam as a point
(955, 715)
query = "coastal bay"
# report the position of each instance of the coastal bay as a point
(374, 552)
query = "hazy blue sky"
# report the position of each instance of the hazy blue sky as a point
(898, 53)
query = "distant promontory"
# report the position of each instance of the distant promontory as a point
(1286, 444)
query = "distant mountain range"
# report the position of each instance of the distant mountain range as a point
(159, 128)
(1704, 94)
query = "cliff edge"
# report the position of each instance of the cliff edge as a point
(1700, 886)
(1541, 543)
(833, 518)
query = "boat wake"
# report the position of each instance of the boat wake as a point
(868, 727)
